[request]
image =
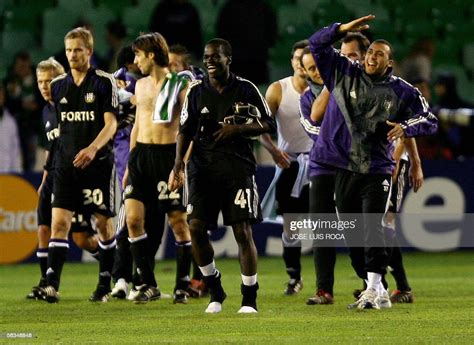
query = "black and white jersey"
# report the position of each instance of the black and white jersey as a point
(80, 111)
(51, 130)
(203, 111)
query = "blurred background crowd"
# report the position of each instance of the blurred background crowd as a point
(433, 41)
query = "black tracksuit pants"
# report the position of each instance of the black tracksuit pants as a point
(366, 195)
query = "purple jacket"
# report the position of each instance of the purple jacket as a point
(353, 135)
(312, 129)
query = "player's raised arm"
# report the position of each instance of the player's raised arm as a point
(357, 25)
(329, 59)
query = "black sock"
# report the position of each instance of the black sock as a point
(197, 274)
(249, 295)
(57, 253)
(42, 254)
(123, 261)
(140, 254)
(106, 261)
(215, 287)
(183, 264)
(292, 258)
(396, 263)
(95, 253)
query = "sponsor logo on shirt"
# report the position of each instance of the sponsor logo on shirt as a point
(77, 116)
(204, 110)
(63, 100)
(52, 134)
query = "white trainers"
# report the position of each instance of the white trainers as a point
(367, 299)
(120, 289)
(214, 308)
(383, 300)
(247, 310)
(132, 294)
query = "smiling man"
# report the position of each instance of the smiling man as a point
(322, 177)
(368, 110)
(221, 170)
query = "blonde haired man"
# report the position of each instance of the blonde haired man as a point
(86, 103)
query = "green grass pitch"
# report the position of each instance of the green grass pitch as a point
(442, 313)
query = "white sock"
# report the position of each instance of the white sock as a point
(249, 280)
(209, 270)
(380, 289)
(139, 238)
(373, 280)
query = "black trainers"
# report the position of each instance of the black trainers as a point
(398, 296)
(180, 297)
(49, 294)
(197, 288)
(249, 296)
(293, 287)
(35, 292)
(146, 294)
(320, 297)
(101, 294)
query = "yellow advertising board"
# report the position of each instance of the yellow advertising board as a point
(18, 219)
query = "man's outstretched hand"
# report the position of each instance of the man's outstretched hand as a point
(356, 25)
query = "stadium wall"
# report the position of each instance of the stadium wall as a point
(448, 194)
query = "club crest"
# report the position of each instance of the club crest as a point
(89, 97)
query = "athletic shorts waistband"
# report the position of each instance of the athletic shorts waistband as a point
(157, 147)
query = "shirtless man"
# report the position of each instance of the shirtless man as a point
(152, 154)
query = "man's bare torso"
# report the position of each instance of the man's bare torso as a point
(146, 93)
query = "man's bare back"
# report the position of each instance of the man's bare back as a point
(146, 92)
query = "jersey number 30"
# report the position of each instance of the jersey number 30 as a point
(93, 196)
